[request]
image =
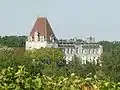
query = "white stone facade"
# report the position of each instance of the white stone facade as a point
(88, 51)
(40, 42)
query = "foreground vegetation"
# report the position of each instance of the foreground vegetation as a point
(11, 79)
(46, 68)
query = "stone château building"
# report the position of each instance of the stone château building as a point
(42, 35)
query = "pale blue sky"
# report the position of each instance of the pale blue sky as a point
(68, 18)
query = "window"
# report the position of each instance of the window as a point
(38, 36)
(83, 60)
(63, 49)
(66, 50)
(91, 51)
(30, 47)
(41, 38)
(77, 51)
(95, 51)
(71, 50)
(52, 38)
(32, 39)
(82, 51)
(85, 51)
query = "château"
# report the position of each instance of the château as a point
(42, 36)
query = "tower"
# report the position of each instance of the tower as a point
(41, 35)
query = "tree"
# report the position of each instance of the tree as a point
(111, 64)
(13, 41)
(52, 54)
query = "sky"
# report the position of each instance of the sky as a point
(68, 18)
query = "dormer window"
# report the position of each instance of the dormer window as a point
(38, 36)
(32, 39)
(41, 38)
(35, 33)
(52, 38)
(29, 38)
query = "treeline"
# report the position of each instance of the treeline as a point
(109, 45)
(13, 41)
(19, 41)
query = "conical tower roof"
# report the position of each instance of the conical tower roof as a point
(43, 27)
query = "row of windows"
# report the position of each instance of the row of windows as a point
(90, 51)
(41, 38)
(83, 51)
(68, 50)
(89, 59)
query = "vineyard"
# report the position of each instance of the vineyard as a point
(11, 79)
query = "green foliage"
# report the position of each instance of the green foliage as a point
(111, 64)
(110, 61)
(12, 57)
(18, 80)
(50, 63)
(44, 62)
(13, 41)
(52, 54)
(11, 79)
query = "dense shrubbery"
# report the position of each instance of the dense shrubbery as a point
(11, 79)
